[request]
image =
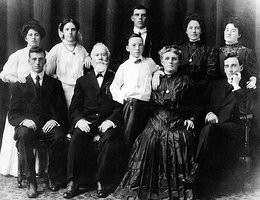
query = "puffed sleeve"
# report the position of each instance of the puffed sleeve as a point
(10, 67)
(212, 65)
(51, 64)
(250, 62)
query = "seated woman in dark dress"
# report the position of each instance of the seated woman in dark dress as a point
(162, 155)
(232, 33)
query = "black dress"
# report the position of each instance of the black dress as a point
(247, 56)
(200, 62)
(163, 154)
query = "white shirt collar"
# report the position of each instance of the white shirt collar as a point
(34, 74)
(138, 30)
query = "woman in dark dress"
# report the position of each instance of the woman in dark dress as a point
(199, 61)
(232, 33)
(162, 155)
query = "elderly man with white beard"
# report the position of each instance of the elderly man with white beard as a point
(95, 127)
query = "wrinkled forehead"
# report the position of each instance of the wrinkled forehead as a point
(99, 50)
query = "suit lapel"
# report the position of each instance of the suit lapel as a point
(228, 104)
(93, 80)
(45, 84)
(106, 81)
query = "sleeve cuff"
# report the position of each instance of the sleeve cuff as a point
(208, 115)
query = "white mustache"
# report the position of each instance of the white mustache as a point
(102, 63)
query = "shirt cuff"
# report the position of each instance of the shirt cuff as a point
(208, 115)
(21, 123)
(237, 88)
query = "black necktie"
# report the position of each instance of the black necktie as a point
(37, 83)
(99, 75)
(38, 86)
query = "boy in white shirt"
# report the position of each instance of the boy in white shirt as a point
(132, 87)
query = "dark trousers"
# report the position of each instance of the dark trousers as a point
(25, 143)
(136, 113)
(90, 161)
(217, 142)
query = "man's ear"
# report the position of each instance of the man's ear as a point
(241, 67)
(132, 18)
(127, 49)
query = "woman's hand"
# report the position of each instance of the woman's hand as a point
(251, 84)
(189, 124)
(87, 62)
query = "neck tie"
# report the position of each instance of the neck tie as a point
(37, 83)
(137, 61)
(99, 75)
(38, 86)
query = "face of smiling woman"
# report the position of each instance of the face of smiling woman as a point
(193, 31)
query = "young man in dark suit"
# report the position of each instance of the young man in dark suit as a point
(152, 42)
(38, 110)
(96, 124)
(223, 134)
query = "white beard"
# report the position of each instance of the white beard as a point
(100, 67)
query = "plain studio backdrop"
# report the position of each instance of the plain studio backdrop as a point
(105, 20)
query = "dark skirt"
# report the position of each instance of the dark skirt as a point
(161, 157)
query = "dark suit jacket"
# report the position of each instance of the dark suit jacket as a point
(227, 105)
(153, 43)
(93, 103)
(25, 104)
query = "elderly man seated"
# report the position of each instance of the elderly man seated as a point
(96, 124)
(227, 100)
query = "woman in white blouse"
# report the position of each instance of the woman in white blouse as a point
(66, 59)
(16, 69)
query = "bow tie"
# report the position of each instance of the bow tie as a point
(138, 61)
(99, 75)
(141, 32)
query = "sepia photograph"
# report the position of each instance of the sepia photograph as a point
(130, 99)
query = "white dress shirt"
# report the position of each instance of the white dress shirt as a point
(142, 31)
(34, 74)
(100, 78)
(133, 80)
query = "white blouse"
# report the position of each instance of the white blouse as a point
(66, 65)
(17, 65)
